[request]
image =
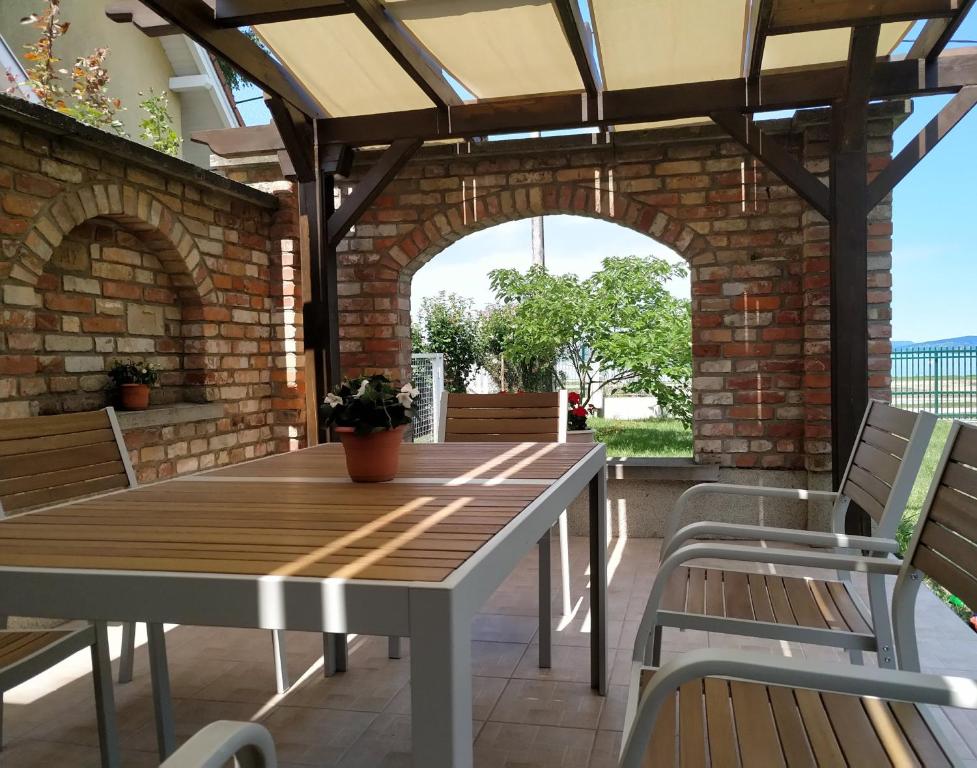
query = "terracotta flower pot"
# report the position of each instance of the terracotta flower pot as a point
(372, 458)
(134, 397)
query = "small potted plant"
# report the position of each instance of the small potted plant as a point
(577, 414)
(370, 415)
(132, 379)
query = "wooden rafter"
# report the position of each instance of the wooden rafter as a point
(791, 16)
(776, 157)
(243, 13)
(937, 33)
(407, 51)
(912, 154)
(755, 41)
(369, 187)
(196, 19)
(580, 42)
(813, 87)
(142, 18)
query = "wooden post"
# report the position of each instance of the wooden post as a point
(849, 261)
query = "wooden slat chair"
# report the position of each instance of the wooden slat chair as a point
(45, 461)
(724, 707)
(888, 452)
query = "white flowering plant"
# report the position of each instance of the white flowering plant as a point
(369, 404)
(133, 372)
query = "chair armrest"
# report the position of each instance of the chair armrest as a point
(785, 535)
(743, 553)
(770, 669)
(728, 489)
(214, 745)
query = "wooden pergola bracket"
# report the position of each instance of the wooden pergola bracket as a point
(296, 132)
(776, 157)
(921, 145)
(758, 27)
(369, 187)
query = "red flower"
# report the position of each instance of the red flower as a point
(573, 398)
(578, 411)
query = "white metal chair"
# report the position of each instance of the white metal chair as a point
(880, 474)
(248, 745)
(723, 707)
(47, 460)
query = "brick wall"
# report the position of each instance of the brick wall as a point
(758, 257)
(111, 250)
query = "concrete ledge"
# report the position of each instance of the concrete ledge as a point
(167, 415)
(661, 469)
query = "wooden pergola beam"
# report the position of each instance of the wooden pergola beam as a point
(196, 19)
(406, 51)
(776, 157)
(791, 16)
(819, 86)
(921, 145)
(580, 44)
(245, 13)
(937, 33)
(369, 187)
(755, 41)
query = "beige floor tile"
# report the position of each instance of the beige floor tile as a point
(320, 737)
(500, 628)
(569, 663)
(507, 745)
(544, 702)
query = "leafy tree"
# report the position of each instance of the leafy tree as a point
(157, 128)
(448, 324)
(513, 362)
(620, 328)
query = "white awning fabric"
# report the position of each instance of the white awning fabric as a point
(505, 48)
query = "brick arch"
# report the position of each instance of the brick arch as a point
(426, 240)
(139, 211)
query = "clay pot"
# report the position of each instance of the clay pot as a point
(134, 397)
(372, 458)
(580, 436)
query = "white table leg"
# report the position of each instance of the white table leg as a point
(545, 602)
(598, 582)
(162, 701)
(441, 681)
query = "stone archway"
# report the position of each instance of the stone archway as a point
(138, 211)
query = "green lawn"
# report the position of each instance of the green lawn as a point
(650, 437)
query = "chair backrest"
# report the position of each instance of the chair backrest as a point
(944, 543)
(47, 460)
(888, 453)
(538, 417)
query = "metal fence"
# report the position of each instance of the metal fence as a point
(427, 374)
(940, 380)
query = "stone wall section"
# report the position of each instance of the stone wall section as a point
(111, 250)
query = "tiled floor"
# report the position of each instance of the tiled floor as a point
(524, 716)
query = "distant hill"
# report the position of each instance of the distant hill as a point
(959, 341)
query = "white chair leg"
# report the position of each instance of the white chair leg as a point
(108, 735)
(545, 601)
(565, 564)
(127, 657)
(162, 700)
(282, 683)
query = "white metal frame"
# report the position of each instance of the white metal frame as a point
(249, 745)
(905, 684)
(676, 551)
(436, 616)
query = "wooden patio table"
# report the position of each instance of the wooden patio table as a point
(289, 542)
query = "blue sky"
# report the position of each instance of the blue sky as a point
(934, 253)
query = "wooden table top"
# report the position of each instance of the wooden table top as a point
(297, 514)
